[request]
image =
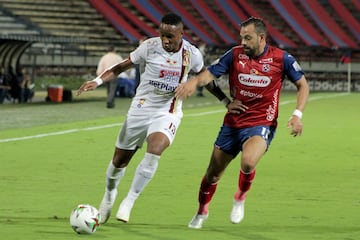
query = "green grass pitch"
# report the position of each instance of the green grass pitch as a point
(54, 156)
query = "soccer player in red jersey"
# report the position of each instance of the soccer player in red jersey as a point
(256, 72)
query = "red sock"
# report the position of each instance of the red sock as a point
(245, 181)
(206, 193)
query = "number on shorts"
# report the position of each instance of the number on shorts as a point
(265, 133)
(172, 128)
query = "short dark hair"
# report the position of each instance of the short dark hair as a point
(260, 26)
(171, 19)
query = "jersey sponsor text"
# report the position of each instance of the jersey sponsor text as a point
(255, 81)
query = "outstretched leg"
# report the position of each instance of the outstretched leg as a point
(143, 174)
(114, 173)
(218, 163)
(157, 142)
(253, 149)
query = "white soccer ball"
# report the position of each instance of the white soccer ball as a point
(84, 219)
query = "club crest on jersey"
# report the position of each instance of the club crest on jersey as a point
(266, 68)
(141, 103)
(186, 58)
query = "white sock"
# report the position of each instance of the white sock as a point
(113, 176)
(143, 174)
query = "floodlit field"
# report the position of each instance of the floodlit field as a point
(54, 156)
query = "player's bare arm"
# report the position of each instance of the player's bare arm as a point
(185, 90)
(215, 90)
(295, 123)
(235, 107)
(108, 75)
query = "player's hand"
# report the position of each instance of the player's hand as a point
(185, 90)
(87, 86)
(295, 126)
(236, 107)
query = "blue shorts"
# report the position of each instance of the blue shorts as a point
(230, 140)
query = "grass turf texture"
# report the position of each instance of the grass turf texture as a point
(305, 188)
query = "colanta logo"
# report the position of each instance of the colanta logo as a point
(253, 80)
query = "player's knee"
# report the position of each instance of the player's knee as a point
(248, 164)
(247, 168)
(157, 143)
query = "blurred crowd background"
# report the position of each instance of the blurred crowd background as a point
(61, 41)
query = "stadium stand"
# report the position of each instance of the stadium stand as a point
(191, 22)
(74, 18)
(224, 19)
(141, 25)
(68, 37)
(232, 12)
(348, 18)
(277, 35)
(205, 26)
(296, 19)
(120, 23)
(214, 21)
(328, 25)
(148, 12)
(356, 4)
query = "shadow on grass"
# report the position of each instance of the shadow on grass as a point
(228, 231)
(50, 226)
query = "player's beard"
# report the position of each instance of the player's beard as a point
(250, 51)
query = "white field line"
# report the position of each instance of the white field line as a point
(119, 124)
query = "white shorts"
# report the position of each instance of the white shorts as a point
(136, 128)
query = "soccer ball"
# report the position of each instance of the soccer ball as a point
(84, 219)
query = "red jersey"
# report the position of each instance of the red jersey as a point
(257, 83)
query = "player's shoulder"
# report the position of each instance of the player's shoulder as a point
(278, 52)
(191, 47)
(236, 50)
(282, 54)
(152, 42)
(275, 50)
(275, 53)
